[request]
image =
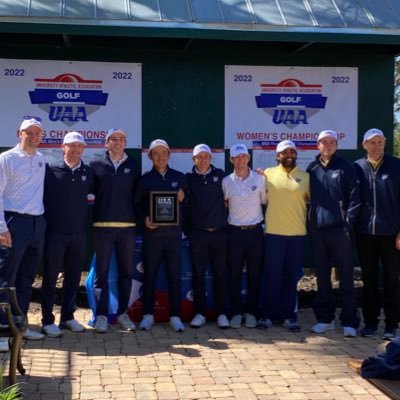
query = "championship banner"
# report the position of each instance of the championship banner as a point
(271, 104)
(88, 97)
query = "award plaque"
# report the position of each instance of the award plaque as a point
(164, 208)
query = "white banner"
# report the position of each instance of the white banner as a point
(272, 104)
(88, 97)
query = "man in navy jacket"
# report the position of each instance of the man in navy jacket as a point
(377, 233)
(114, 222)
(209, 235)
(161, 243)
(66, 187)
(333, 213)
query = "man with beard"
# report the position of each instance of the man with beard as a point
(285, 237)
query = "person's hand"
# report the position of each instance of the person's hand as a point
(259, 171)
(181, 195)
(149, 225)
(5, 239)
(397, 244)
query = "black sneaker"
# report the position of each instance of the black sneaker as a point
(389, 334)
(291, 325)
(368, 330)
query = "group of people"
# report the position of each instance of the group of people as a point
(253, 219)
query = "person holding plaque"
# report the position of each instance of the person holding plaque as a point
(244, 193)
(115, 179)
(208, 236)
(160, 191)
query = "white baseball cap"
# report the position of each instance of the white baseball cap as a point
(200, 148)
(285, 144)
(158, 142)
(372, 133)
(114, 130)
(74, 137)
(30, 121)
(328, 133)
(238, 149)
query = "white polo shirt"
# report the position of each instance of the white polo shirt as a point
(21, 183)
(245, 197)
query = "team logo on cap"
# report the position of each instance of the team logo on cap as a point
(291, 102)
(68, 98)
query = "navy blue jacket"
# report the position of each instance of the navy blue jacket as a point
(206, 199)
(335, 196)
(380, 197)
(152, 181)
(65, 197)
(114, 189)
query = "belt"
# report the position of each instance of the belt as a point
(246, 227)
(17, 214)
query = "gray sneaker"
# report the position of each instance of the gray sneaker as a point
(29, 334)
(250, 321)
(147, 322)
(176, 324)
(125, 322)
(52, 330)
(101, 325)
(236, 321)
(223, 322)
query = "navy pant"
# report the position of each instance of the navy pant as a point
(245, 249)
(161, 247)
(18, 264)
(283, 260)
(123, 241)
(209, 247)
(62, 252)
(371, 250)
(332, 247)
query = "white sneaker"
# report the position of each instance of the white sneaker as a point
(52, 330)
(125, 322)
(349, 332)
(198, 321)
(176, 324)
(223, 321)
(236, 321)
(73, 325)
(322, 327)
(101, 325)
(4, 348)
(29, 334)
(147, 322)
(250, 321)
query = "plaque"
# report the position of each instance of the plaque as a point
(164, 208)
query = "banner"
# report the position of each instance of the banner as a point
(271, 104)
(88, 97)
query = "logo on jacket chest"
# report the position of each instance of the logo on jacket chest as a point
(174, 184)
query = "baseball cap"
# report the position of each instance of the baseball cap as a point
(114, 130)
(201, 147)
(238, 149)
(158, 142)
(285, 144)
(30, 121)
(324, 134)
(73, 137)
(371, 133)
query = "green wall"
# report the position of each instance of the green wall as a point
(183, 86)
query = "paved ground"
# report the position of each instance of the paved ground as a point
(197, 364)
